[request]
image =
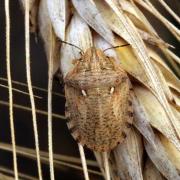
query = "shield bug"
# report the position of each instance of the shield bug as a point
(98, 103)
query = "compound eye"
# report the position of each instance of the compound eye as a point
(111, 90)
(83, 92)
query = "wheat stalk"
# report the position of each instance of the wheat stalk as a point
(28, 75)
(10, 89)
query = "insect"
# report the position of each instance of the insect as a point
(98, 103)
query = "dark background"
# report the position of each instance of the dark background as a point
(63, 142)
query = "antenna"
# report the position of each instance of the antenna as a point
(116, 47)
(81, 51)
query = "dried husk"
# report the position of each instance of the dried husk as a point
(59, 12)
(44, 29)
(142, 123)
(151, 172)
(79, 36)
(176, 102)
(128, 157)
(160, 159)
(33, 10)
(172, 152)
(164, 83)
(157, 115)
(169, 76)
(141, 22)
(149, 7)
(89, 12)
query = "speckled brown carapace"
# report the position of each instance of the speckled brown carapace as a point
(98, 102)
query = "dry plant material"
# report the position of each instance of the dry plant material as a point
(59, 14)
(151, 172)
(98, 102)
(91, 100)
(156, 114)
(83, 160)
(50, 86)
(80, 36)
(33, 13)
(29, 82)
(128, 157)
(44, 26)
(10, 92)
(160, 159)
